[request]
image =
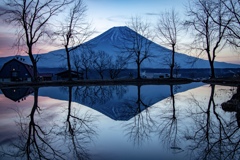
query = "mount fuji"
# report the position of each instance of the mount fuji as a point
(113, 37)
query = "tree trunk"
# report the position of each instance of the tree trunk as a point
(173, 61)
(69, 64)
(138, 66)
(35, 72)
(34, 63)
(212, 69)
(101, 75)
(138, 71)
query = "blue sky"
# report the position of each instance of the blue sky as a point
(108, 13)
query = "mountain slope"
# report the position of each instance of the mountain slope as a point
(114, 37)
(112, 41)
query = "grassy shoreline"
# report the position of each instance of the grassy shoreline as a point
(223, 81)
(95, 82)
(166, 81)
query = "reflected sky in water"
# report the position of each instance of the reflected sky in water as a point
(120, 122)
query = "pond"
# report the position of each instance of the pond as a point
(190, 121)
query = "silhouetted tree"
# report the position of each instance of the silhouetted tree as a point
(84, 60)
(115, 67)
(233, 14)
(76, 63)
(209, 36)
(32, 20)
(136, 43)
(74, 30)
(168, 30)
(101, 62)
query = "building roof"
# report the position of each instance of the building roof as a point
(67, 71)
(29, 67)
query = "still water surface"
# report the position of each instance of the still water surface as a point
(119, 122)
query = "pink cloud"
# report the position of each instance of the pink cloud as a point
(7, 47)
(6, 44)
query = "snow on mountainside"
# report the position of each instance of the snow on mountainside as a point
(113, 37)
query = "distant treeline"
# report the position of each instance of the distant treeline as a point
(182, 73)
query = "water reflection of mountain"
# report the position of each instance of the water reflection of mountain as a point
(190, 125)
(17, 94)
(116, 102)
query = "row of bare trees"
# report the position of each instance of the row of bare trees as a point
(98, 62)
(214, 24)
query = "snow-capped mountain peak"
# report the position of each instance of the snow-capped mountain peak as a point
(111, 36)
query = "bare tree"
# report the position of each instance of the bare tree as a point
(74, 31)
(86, 61)
(168, 29)
(233, 9)
(135, 42)
(32, 19)
(101, 62)
(116, 67)
(208, 35)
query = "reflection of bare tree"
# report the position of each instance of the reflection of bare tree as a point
(34, 142)
(92, 95)
(167, 129)
(213, 137)
(38, 140)
(79, 130)
(139, 128)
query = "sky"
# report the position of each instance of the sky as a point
(105, 14)
(109, 13)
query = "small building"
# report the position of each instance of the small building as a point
(64, 75)
(158, 75)
(16, 70)
(154, 75)
(45, 76)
